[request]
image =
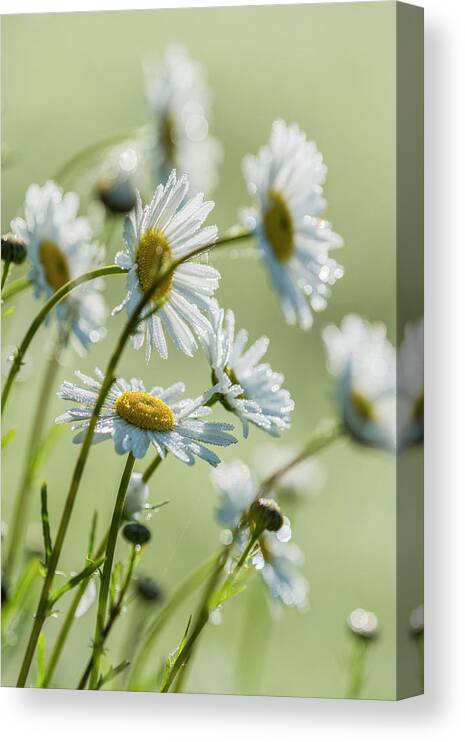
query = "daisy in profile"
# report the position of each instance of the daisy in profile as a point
(180, 103)
(248, 388)
(168, 228)
(410, 386)
(135, 418)
(59, 248)
(285, 182)
(276, 559)
(363, 362)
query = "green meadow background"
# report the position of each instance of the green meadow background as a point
(69, 80)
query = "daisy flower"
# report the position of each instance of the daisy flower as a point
(180, 103)
(59, 247)
(137, 495)
(363, 362)
(410, 386)
(276, 560)
(135, 418)
(252, 390)
(284, 180)
(166, 229)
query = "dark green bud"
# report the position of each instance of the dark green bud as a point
(149, 590)
(266, 514)
(118, 195)
(136, 534)
(13, 249)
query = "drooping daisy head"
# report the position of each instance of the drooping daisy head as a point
(135, 419)
(180, 103)
(247, 387)
(275, 558)
(168, 228)
(363, 362)
(285, 182)
(59, 247)
(410, 386)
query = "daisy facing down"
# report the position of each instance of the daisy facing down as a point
(135, 418)
(285, 181)
(165, 230)
(249, 389)
(59, 248)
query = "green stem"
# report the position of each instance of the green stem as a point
(68, 622)
(106, 385)
(318, 442)
(6, 270)
(99, 637)
(93, 149)
(357, 666)
(55, 299)
(151, 468)
(114, 613)
(186, 588)
(19, 517)
(15, 287)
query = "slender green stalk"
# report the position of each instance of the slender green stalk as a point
(318, 442)
(69, 618)
(99, 636)
(108, 380)
(14, 287)
(94, 149)
(186, 588)
(151, 468)
(6, 270)
(115, 612)
(19, 517)
(55, 299)
(357, 666)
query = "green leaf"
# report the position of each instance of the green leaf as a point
(8, 437)
(74, 581)
(40, 660)
(230, 588)
(112, 673)
(45, 523)
(173, 656)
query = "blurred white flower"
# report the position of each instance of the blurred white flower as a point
(137, 495)
(59, 247)
(363, 623)
(410, 386)
(87, 600)
(285, 181)
(167, 229)
(180, 102)
(252, 390)
(276, 560)
(363, 362)
(135, 418)
(417, 620)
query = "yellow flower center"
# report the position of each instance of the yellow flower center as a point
(278, 227)
(167, 137)
(231, 374)
(153, 258)
(55, 264)
(145, 411)
(363, 406)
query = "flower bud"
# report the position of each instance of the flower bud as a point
(417, 621)
(136, 534)
(266, 514)
(13, 249)
(118, 195)
(149, 590)
(363, 623)
(136, 497)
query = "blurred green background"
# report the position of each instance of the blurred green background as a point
(68, 80)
